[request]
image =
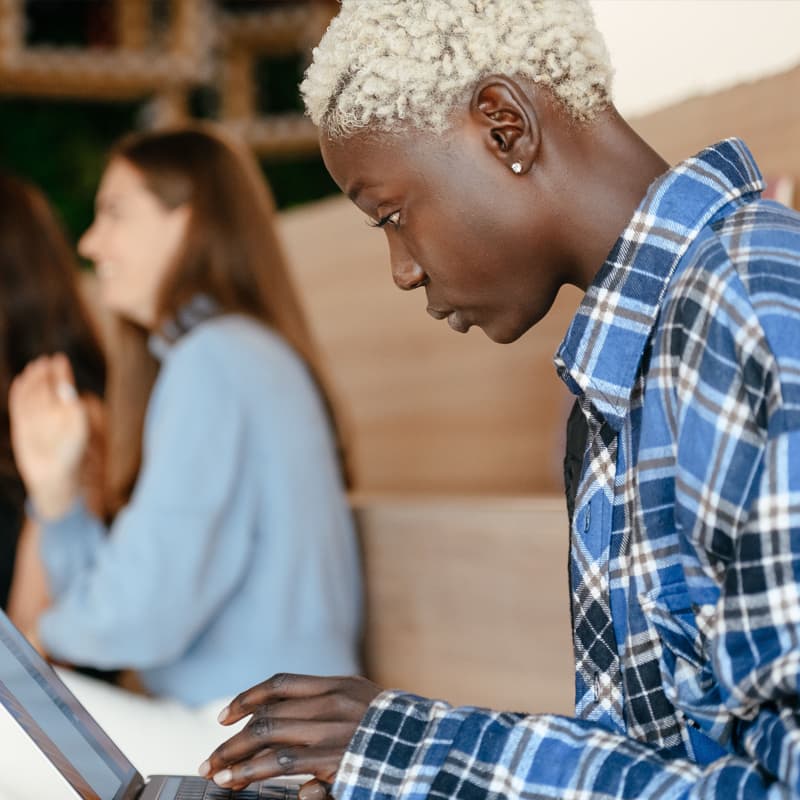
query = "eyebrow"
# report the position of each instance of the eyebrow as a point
(355, 190)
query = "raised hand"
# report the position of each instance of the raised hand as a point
(49, 433)
(299, 724)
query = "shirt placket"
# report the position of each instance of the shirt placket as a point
(598, 685)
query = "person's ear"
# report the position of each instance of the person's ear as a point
(508, 121)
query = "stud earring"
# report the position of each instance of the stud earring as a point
(516, 167)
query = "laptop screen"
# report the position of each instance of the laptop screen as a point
(62, 729)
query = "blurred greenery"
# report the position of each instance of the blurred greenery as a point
(61, 145)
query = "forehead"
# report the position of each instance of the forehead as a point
(350, 158)
(120, 178)
(370, 158)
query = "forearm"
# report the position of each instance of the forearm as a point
(29, 594)
(152, 586)
(409, 747)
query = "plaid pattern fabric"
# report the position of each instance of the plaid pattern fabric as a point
(597, 666)
(685, 555)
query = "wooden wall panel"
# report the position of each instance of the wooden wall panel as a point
(765, 113)
(467, 600)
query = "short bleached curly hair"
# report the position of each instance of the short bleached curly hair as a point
(390, 64)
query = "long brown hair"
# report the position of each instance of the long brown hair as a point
(231, 251)
(41, 307)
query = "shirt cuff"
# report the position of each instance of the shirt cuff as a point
(78, 507)
(68, 545)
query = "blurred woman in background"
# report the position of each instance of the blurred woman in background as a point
(41, 312)
(236, 555)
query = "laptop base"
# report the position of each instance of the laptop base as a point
(173, 787)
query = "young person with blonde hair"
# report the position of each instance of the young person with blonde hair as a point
(236, 553)
(480, 137)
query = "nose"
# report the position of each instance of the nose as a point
(86, 244)
(407, 274)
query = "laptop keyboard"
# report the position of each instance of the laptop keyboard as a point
(199, 789)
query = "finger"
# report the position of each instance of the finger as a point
(37, 365)
(279, 687)
(62, 379)
(15, 391)
(96, 413)
(320, 762)
(29, 387)
(61, 368)
(33, 371)
(314, 790)
(330, 707)
(266, 732)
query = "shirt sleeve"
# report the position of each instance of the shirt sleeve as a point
(756, 633)
(409, 747)
(138, 596)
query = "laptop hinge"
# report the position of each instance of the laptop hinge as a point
(133, 789)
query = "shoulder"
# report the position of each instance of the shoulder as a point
(732, 312)
(745, 265)
(234, 356)
(762, 242)
(232, 343)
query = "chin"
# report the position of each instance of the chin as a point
(504, 335)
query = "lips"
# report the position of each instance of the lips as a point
(454, 319)
(457, 322)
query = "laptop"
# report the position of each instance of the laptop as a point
(80, 749)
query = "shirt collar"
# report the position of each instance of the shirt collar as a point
(602, 351)
(199, 309)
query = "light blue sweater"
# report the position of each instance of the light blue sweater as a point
(236, 557)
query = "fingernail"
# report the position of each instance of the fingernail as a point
(221, 778)
(66, 392)
(204, 769)
(315, 791)
(223, 715)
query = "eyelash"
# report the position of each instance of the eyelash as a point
(383, 221)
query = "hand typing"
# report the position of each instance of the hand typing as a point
(299, 724)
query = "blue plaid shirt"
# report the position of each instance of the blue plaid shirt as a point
(685, 555)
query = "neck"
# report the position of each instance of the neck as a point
(609, 169)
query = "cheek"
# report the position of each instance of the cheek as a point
(114, 282)
(126, 280)
(456, 256)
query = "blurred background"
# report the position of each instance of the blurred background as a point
(460, 440)
(75, 74)
(431, 412)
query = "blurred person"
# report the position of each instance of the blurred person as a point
(236, 554)
(480, 137)
(42, 311)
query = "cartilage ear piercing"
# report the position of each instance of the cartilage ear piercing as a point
(516, 167)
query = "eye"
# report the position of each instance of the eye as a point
(108, 211)
(392, 219)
